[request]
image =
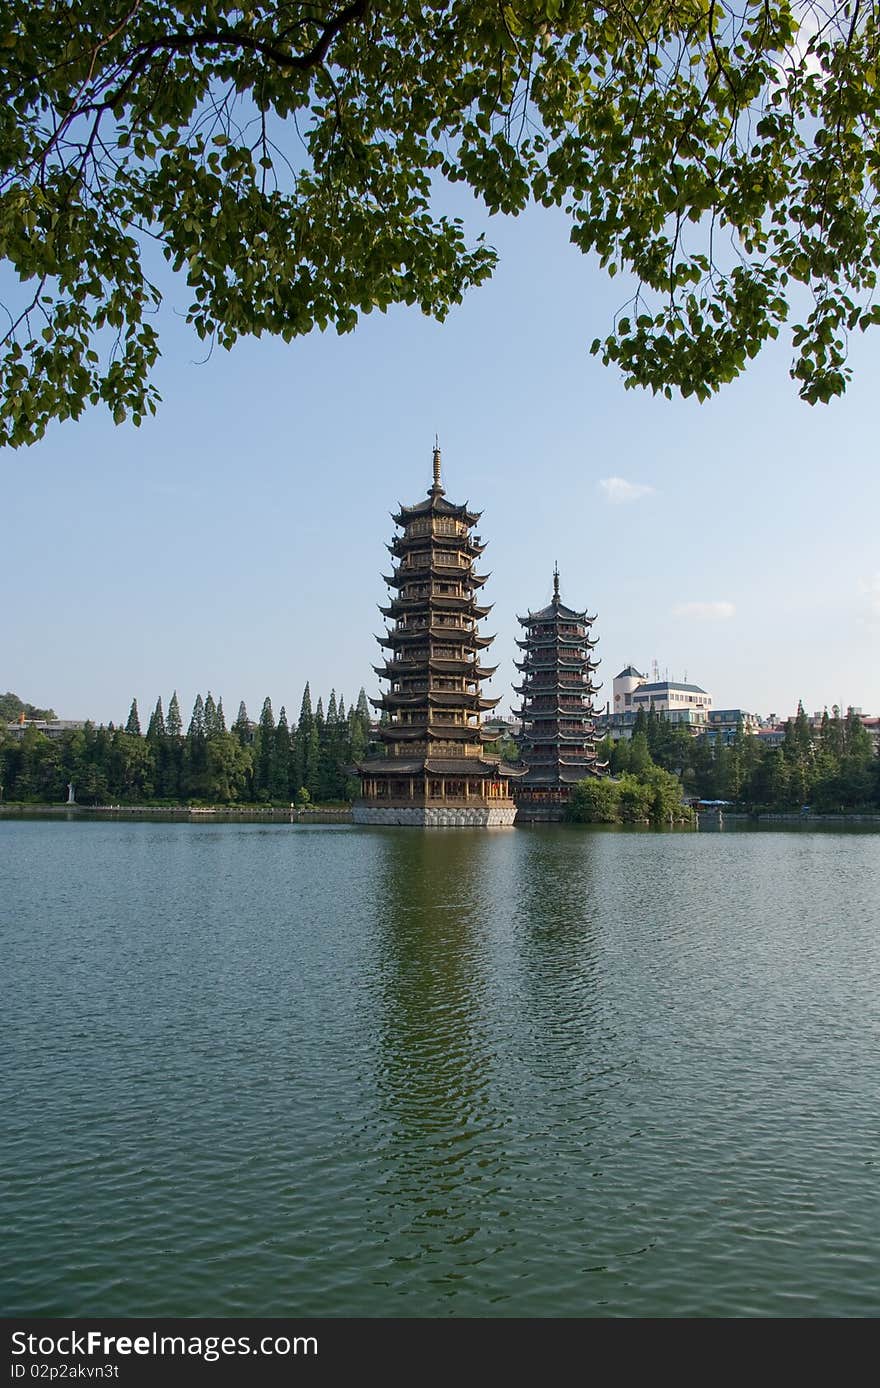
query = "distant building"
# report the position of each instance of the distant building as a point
(687, 705)
(772, 736)
(624, 687)
(668, 696)
(50, 727)
(724, 723)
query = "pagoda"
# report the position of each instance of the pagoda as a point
(435, 770)
(557, 741)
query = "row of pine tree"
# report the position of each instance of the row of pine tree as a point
(270, 761)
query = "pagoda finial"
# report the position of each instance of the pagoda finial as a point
(438, 485)
(555, 582)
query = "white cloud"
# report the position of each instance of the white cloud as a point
(869, 590)
(618, 490)
(705, 611)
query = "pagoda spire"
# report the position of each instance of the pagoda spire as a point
(556, 582)
(438, 488)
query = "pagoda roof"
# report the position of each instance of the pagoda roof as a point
(431, 727)
(437, 602)
(534, 643)
(561, 662)
(444, 698)
(438, 571)
(435, 504)
(585, 713)
(467, 638)
(556, 612)
(405, 544)
(565, 775)
(581, 738)
(468, 767)
(398, 669)
(532, 690)
(441, 767)
(454, 667)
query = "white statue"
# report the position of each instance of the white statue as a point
(71, 797)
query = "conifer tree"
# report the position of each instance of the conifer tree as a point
(242, 726)
(312, 772)
(301, 745)
(280, 789)
(357, 736)
(133, 726)
(197, 721)
(363, 708)
(265, 753)
(220, 717)
(797, 749)
(195, 758)
(331, 709)
(174, 724)
(172, 761)
(305, 712)
(211, 728)
(156, 728)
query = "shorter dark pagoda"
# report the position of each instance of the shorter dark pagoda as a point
(436, 770)
(558, 738)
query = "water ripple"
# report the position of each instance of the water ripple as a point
(274, 1070)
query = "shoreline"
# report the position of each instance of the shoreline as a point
(342, 814)
(334, 814)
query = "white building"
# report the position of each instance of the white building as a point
(685, 704)
(632, 691)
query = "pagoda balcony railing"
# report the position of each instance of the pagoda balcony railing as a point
(561, 715)
(436, 748)
(438, 558)
(578, 710)
(436, 620)
(423, 591)
(565, 682)
(436, 722)
(440, 525)
(548, 631)
(399, 802)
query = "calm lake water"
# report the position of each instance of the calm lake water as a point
(282, 1070)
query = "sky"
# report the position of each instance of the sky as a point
(236, 543)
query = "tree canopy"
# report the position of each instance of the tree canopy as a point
(288, 159)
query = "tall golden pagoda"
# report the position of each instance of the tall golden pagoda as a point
(435, 770)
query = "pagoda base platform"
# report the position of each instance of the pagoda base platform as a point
(540, 814)
(436, 816)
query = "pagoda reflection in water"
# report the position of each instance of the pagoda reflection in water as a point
(435, 771)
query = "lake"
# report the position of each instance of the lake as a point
(286, 1070)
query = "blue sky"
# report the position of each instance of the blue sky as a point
(236, 542)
